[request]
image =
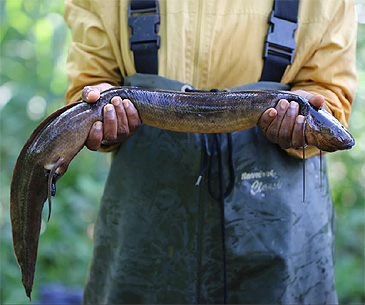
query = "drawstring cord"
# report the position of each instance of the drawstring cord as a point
(216, 148)
(207, 165)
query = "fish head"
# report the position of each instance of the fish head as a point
(325, 132)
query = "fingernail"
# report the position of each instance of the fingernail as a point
(293, 105)
(282, 104)
(116, 101)
(126, 103)
(88, 91)
(109, 108)
(292, 108)
(272, 113)
(98, 125)
(300, 119)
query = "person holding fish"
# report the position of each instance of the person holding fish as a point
(213, 218)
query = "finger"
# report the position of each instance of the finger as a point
(110, 123)
(287, 124)
(134, 121)
(272, 132)
(298, 138)
(266, 118)
(302, 93)
(95, 137)
(316, 100)
(91, 94)
(122, 120)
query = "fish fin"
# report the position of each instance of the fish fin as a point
(29, 292)
(50, 183)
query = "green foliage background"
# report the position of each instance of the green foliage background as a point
(34, 41)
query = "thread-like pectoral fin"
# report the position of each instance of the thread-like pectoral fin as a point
(51, 183)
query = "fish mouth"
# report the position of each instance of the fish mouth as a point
(326, 133)
(341, 142)
(347, 142)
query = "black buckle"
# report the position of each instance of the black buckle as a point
(144, 27)
(280, 38)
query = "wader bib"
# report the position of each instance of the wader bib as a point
(158, 235)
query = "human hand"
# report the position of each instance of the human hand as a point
(121, 119)
(283, 126)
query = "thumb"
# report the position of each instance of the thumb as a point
(91, 94)
(316, 100)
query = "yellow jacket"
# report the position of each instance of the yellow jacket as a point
(218, 44)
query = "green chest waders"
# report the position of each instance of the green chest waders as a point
(158, 234)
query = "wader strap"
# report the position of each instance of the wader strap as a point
(144, 19)
(280, 42)
(279, 50)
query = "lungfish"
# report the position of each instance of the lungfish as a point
(48, 152)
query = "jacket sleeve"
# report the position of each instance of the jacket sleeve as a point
(331, 69)
(91, 58)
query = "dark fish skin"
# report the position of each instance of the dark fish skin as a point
(62, 134)
(220, 112)
(56, 141)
